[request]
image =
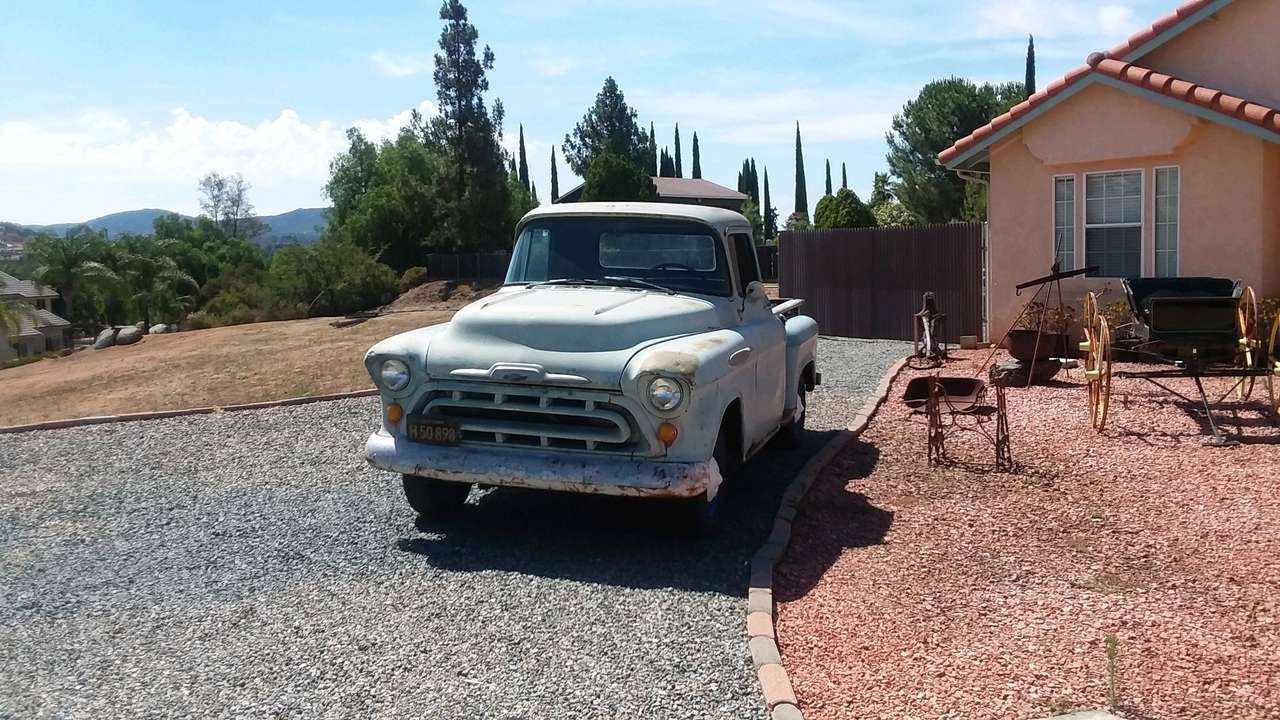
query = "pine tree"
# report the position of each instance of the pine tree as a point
(555, 181)
(697, 158)
(524, 162)
(654, 163)
(679, 169)
(1031, 66)
(844, 177)
(802, 195)
(770, 215)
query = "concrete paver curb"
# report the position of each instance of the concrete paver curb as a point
(775, 684)
(161, 414)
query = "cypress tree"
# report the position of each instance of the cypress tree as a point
(679, 169)
(770, 219)
(828, 177)
(533, 192)
(653, 152)
(555, 181)
(697, 158)
(512, 169)
(1031, 66)
(755, 184)
(524, 162)
(844, 178)
(802, 195)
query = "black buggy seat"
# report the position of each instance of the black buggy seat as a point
(1182, 314)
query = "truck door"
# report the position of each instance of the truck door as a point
(765, 335)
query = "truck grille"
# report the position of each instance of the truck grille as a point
(545, 417)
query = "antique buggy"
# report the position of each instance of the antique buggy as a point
(1197, 328)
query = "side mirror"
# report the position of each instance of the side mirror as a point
(755, 292)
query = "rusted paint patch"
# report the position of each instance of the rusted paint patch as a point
(673, 362)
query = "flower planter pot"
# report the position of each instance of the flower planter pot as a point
(1022, 345)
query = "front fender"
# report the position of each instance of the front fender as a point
(700, 363)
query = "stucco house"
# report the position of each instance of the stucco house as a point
(1160, 157)
(45, 332)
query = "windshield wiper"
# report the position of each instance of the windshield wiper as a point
(638, 283)
(564, 281)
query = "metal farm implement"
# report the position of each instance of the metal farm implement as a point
(1193, 328)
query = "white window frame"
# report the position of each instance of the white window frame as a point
(1142, 213)
(1155, 222)
(1075, 218)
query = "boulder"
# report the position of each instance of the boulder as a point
(105, 339)
(128, 335)
(158, 329)
(141, 325)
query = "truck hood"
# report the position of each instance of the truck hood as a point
(561, 334)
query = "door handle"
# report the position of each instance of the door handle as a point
(740, 357)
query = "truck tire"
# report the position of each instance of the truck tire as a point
(792, 434)
(430, 497)
(702, 513)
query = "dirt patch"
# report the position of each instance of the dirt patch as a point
(219, 366)
(958, 591)
(442, 295)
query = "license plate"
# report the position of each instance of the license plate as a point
(433, 430)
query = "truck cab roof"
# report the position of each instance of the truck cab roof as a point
(718, 218)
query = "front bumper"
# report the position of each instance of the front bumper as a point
(569, 472)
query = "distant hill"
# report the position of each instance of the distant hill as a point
(303, 225)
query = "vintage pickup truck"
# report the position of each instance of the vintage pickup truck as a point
(631, 351)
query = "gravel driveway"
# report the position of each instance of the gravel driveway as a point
(252, 565)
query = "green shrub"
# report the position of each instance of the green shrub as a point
(19, 362)
(412, 278)
(201, 320)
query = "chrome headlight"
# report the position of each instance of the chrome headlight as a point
(665, 394)
(394, 374)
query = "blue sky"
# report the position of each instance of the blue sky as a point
(122, 105)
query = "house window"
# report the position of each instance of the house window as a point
(1064, 222)
(1113, 223)
(1167, 182)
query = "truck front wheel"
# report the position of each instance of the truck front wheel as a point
(702, 512)
(792, 434)
(430, 497)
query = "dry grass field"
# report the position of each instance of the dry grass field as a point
(218, 366)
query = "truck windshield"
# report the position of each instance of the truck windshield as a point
(678, 254)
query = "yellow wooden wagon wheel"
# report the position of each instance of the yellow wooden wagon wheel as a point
(1272, 360)
(1097, 365)
(1247, 323)
(1089, 311)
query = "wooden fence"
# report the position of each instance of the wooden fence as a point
(869, 282)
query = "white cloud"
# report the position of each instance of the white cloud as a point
(102, 161)
(1053, 18)
(766, 118)
(553, 65)
(402, 65)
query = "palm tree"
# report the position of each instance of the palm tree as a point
(12, 313)
(70, 264)
(153, 279)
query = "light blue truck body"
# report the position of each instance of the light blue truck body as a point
(549, 383)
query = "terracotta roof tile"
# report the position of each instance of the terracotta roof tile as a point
(1159, 27)
(1137, 76)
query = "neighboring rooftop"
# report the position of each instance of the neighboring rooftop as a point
(687, 191)
(11, 286)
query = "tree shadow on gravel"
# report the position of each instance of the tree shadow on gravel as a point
(625, 542)
(832, 519)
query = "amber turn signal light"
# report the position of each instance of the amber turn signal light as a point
(394, 413)
(668, 433)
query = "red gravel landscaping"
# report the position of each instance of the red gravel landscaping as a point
(918, 592)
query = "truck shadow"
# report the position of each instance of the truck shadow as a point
(625, 542)
(832, 520)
